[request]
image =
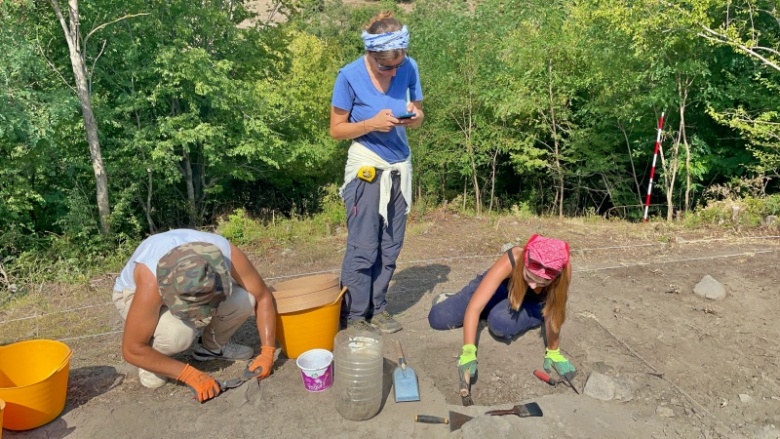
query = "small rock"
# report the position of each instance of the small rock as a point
(506, 247)
(664, 412)
(672, 289)
(499, 427)
(745, 398)
(709, 288)
(606, 388)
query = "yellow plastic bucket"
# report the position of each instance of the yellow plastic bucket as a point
(308, 314)
(33, 382)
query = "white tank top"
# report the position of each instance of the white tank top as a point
(156, 246)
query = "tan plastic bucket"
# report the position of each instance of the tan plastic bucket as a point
(308, 313)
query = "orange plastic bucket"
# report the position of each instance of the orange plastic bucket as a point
(2, 408)
(299, 330)
(33, 382)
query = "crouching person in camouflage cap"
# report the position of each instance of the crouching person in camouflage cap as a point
(172, 280)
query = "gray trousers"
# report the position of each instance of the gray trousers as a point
(372, 248)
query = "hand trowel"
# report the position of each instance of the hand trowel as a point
(455, 420)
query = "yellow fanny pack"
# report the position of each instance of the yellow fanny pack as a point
(367, 173)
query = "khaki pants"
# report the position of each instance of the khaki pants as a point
(173, 335)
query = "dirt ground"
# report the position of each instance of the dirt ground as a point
(697, 368)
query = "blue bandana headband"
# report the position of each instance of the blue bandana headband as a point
(386, 41)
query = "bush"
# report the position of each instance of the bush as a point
(746, 212)
(242, 230)
(239, 229)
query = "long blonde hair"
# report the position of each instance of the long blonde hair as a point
(557, 292)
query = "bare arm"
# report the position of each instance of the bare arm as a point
(342, 129)
(500, 270)
(265, 312)
(142, 320)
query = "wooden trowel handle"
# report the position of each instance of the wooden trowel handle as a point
(465, 384)
(401, 358)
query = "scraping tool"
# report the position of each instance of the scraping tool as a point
(545, 377)
(464, 378)
(404, 379)
(455, 420)
(238, 382)
(568, 377)
(529, 410)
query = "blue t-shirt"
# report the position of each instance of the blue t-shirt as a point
(354, 92)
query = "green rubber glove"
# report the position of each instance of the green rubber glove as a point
(468, 359)
(554, 359)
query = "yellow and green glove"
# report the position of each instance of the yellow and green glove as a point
(468, 360)
(553, 359)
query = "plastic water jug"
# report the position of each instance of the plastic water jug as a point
(358, 374)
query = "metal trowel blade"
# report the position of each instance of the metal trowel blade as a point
(457, 420)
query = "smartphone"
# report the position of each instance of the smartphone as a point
(406, 116)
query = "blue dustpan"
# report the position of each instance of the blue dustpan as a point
(404, 379)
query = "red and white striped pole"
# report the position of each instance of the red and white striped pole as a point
(652, 170)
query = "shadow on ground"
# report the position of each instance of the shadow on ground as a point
(56, 429)
(411, 284)
(86, 383)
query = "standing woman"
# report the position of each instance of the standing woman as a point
(370, 95)
(525, 287)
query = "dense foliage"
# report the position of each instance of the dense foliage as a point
(544, 106)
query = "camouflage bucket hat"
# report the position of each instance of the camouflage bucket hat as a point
(193, 279)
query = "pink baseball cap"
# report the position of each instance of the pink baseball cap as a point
(546, 257)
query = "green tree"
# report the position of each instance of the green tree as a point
(77, 48)
(750, 29)
(459, 70)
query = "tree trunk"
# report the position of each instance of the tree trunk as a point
(670, 175)
(684, 136)
(187, 169)
(631, 160)
(477, 191)
(147, 204)
(470, 148)
(73, 38)
(493, 179)
(556, 145)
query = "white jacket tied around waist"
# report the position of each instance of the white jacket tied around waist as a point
(359, 156)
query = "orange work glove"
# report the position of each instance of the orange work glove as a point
(204, 386)
(264, 361)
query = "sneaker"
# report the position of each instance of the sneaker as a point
(151, 380)
(230, 352)
(386, 323)
(361, 325)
